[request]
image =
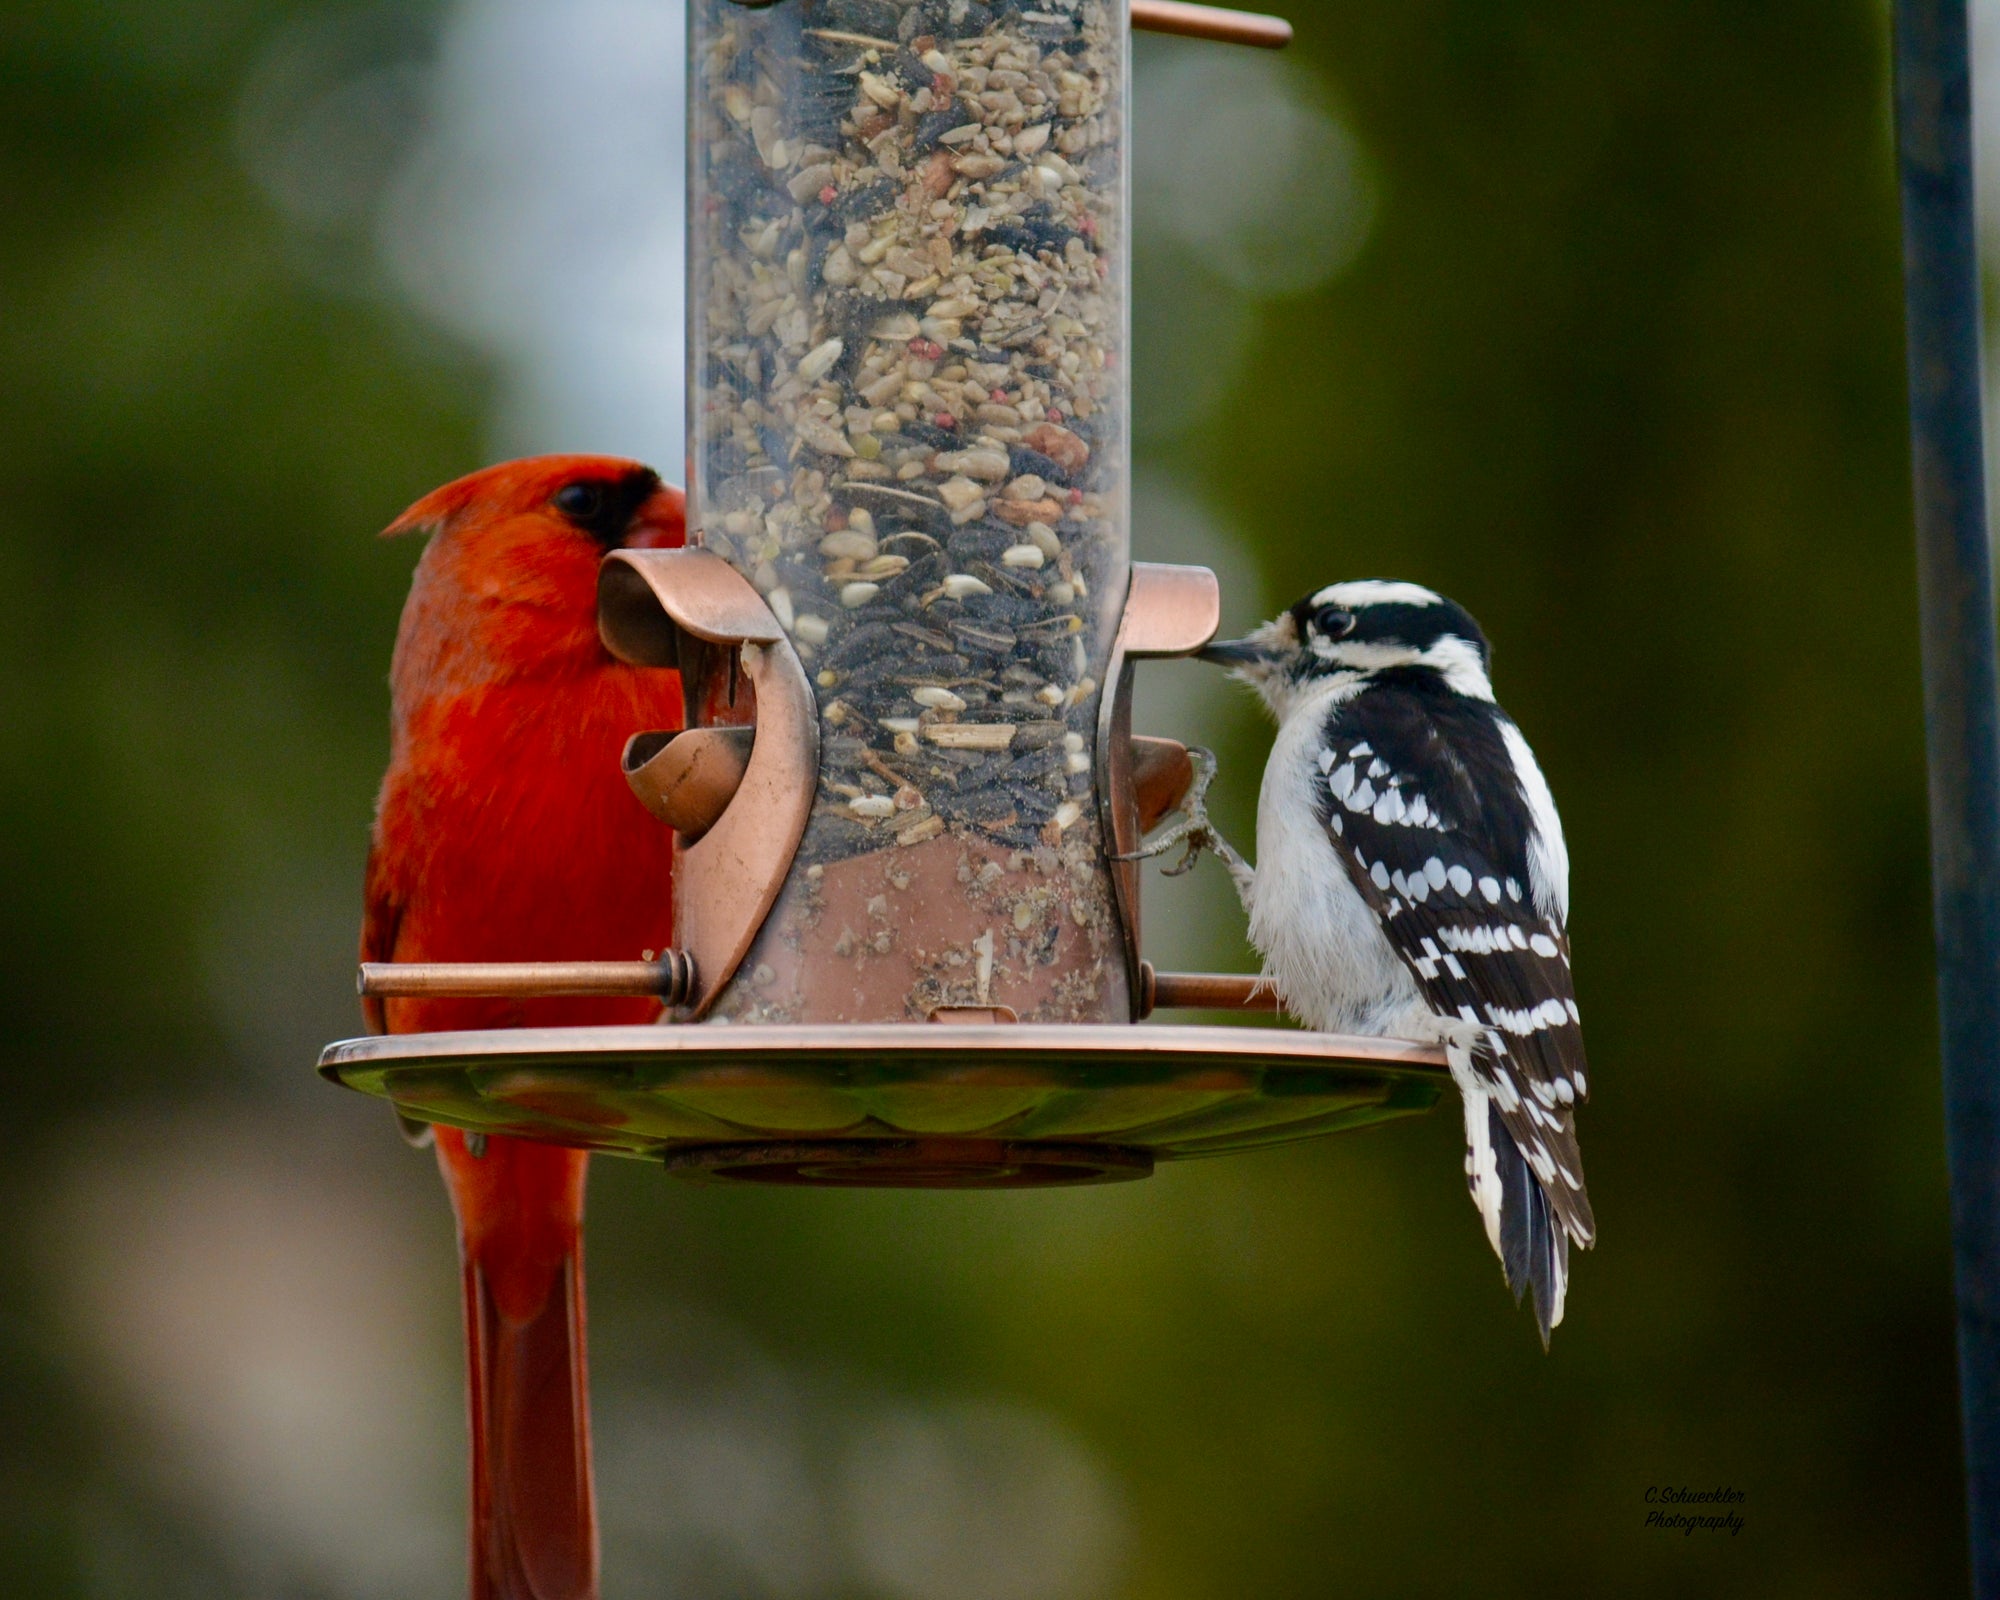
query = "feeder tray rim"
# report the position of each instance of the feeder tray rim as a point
(806, 1042)
(903, 1105)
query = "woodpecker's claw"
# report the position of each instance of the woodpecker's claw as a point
(1194, 831)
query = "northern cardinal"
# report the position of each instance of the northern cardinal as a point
(505, 832)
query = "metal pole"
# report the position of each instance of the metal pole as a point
(1961, 698)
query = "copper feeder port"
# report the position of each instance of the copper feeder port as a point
(1170, 611)
(1162, 774)
(687, 778)
(743, 774)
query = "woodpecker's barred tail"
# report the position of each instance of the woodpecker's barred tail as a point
(1532, 1245)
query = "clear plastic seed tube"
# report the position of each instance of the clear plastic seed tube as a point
(908, 409)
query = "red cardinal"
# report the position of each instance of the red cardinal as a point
(505, 832)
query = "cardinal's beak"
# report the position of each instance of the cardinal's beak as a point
(660, 523)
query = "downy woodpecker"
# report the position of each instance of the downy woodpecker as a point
(1412, 881)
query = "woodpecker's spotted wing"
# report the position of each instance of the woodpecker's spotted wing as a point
(1424, 805)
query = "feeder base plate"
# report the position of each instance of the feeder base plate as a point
(903, 1105)
(912, 1163)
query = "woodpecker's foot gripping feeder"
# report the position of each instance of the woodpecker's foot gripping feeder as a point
(1195, 832)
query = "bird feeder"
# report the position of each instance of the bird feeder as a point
(907, 626)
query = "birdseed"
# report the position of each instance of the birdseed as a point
(907, 314)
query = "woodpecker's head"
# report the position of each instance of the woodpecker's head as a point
(1348, 633)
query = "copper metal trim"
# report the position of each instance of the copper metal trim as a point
(1169, 611)
(672, 978)
(973, 1016)
(1193, 21)
(1204, 991)
(801, 1043)
(687, 778)
(1162, 774)
(643, 596)
(691, 609)
(1212, 22)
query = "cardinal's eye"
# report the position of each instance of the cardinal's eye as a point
(1331, 622)
(582, 502)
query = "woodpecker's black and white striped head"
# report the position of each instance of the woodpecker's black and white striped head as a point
(1349, 633)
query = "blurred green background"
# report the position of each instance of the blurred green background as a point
(1585, 313)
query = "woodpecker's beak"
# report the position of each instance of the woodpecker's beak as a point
(1238, 653)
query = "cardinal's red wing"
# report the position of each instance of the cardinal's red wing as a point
(381, 917)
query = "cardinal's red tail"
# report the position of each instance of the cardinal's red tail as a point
(520, 1229)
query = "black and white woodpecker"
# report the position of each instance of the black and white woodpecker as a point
(1412, 881)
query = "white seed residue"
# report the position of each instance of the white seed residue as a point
(983, 968)
(971, 735)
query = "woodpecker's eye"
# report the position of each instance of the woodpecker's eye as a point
(581, 502)
(1331, 622)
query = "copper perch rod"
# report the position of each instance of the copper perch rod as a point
(1204, 991)
(1212, 22)
(671, 979)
